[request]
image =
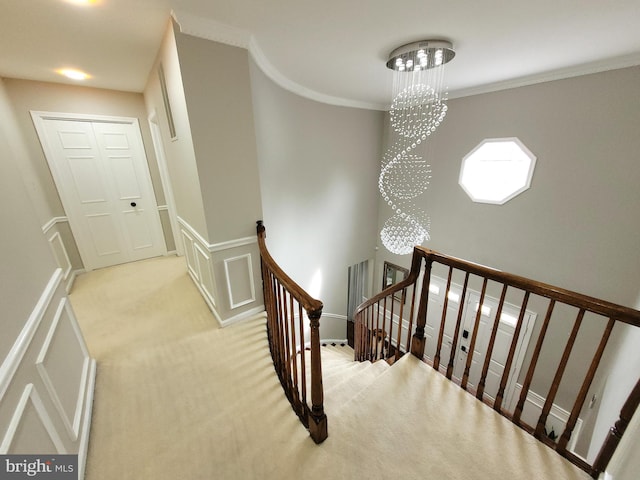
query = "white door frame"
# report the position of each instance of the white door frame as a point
(39, 118)
(165, 178)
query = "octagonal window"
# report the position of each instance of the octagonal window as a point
(497, 170)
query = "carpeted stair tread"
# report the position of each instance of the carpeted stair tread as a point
(178, 397)
(349, 374)
(342, 393)
(339, 350)
(412, 405)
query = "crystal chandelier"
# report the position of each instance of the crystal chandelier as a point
(418, 107)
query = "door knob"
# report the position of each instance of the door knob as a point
(133, 204)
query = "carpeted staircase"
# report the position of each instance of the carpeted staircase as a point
(343, 378)
(178, 397)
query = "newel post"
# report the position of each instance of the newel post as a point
(318, 419)
(615, 434)
(418, 340)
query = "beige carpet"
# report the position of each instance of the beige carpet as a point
(178, 398)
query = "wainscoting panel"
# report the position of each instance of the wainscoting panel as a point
(31, 428)
(239, 279)
(189, 254)
(63, 364)
(47, 381)
(65, 252)
(60, 254)
(233, 264)
(203, 261)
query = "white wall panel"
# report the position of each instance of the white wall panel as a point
(206, 277)
(63, 363)
(239, 278)
(31, 429)
(189, 254)
(60, 254)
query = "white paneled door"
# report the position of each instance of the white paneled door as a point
(505, 332)
(100, 168)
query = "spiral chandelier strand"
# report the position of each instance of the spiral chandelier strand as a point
(418, 108)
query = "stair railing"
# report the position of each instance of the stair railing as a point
(288, 306)
(403, 307)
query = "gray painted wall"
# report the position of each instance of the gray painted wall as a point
(318, 173)
(179, 152)
(218, 100)
(26, 95)
(578, 225)
(26, 263)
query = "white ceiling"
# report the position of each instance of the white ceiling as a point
(332, 50)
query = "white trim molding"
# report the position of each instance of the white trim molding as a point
(238, 242)
(60, 253)
(208, 29)
(31, 394)
(344, 342)
(72, 424)
(207, 284)
(556, 420)
(242, 316)
(216, 247)
(20, 346)
(560, 74)
(236, 37)
(252, 295)
(54, 221)
(86, 422)
(209, 270)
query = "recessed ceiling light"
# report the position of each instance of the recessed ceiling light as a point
(84, 2)
(73, 74)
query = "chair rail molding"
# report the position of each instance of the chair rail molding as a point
(213, 265)
(47, 380)
(30, 395)
(20, 346)
(52, 222)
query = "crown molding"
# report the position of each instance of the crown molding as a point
(615, 63)
(218, 32)
(277, 77)
(211, 30)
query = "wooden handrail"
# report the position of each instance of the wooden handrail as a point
(284, 302)
(578, 300)
(373, 313)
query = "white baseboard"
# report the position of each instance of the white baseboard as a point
(333, 315)
(556, 420)
(242, 316)
(333, 340)
(72, 278)
(204, 296)
(229, 321)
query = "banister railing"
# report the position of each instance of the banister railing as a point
(288, 306)
(394, 322)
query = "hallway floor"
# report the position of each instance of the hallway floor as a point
(179, 398)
